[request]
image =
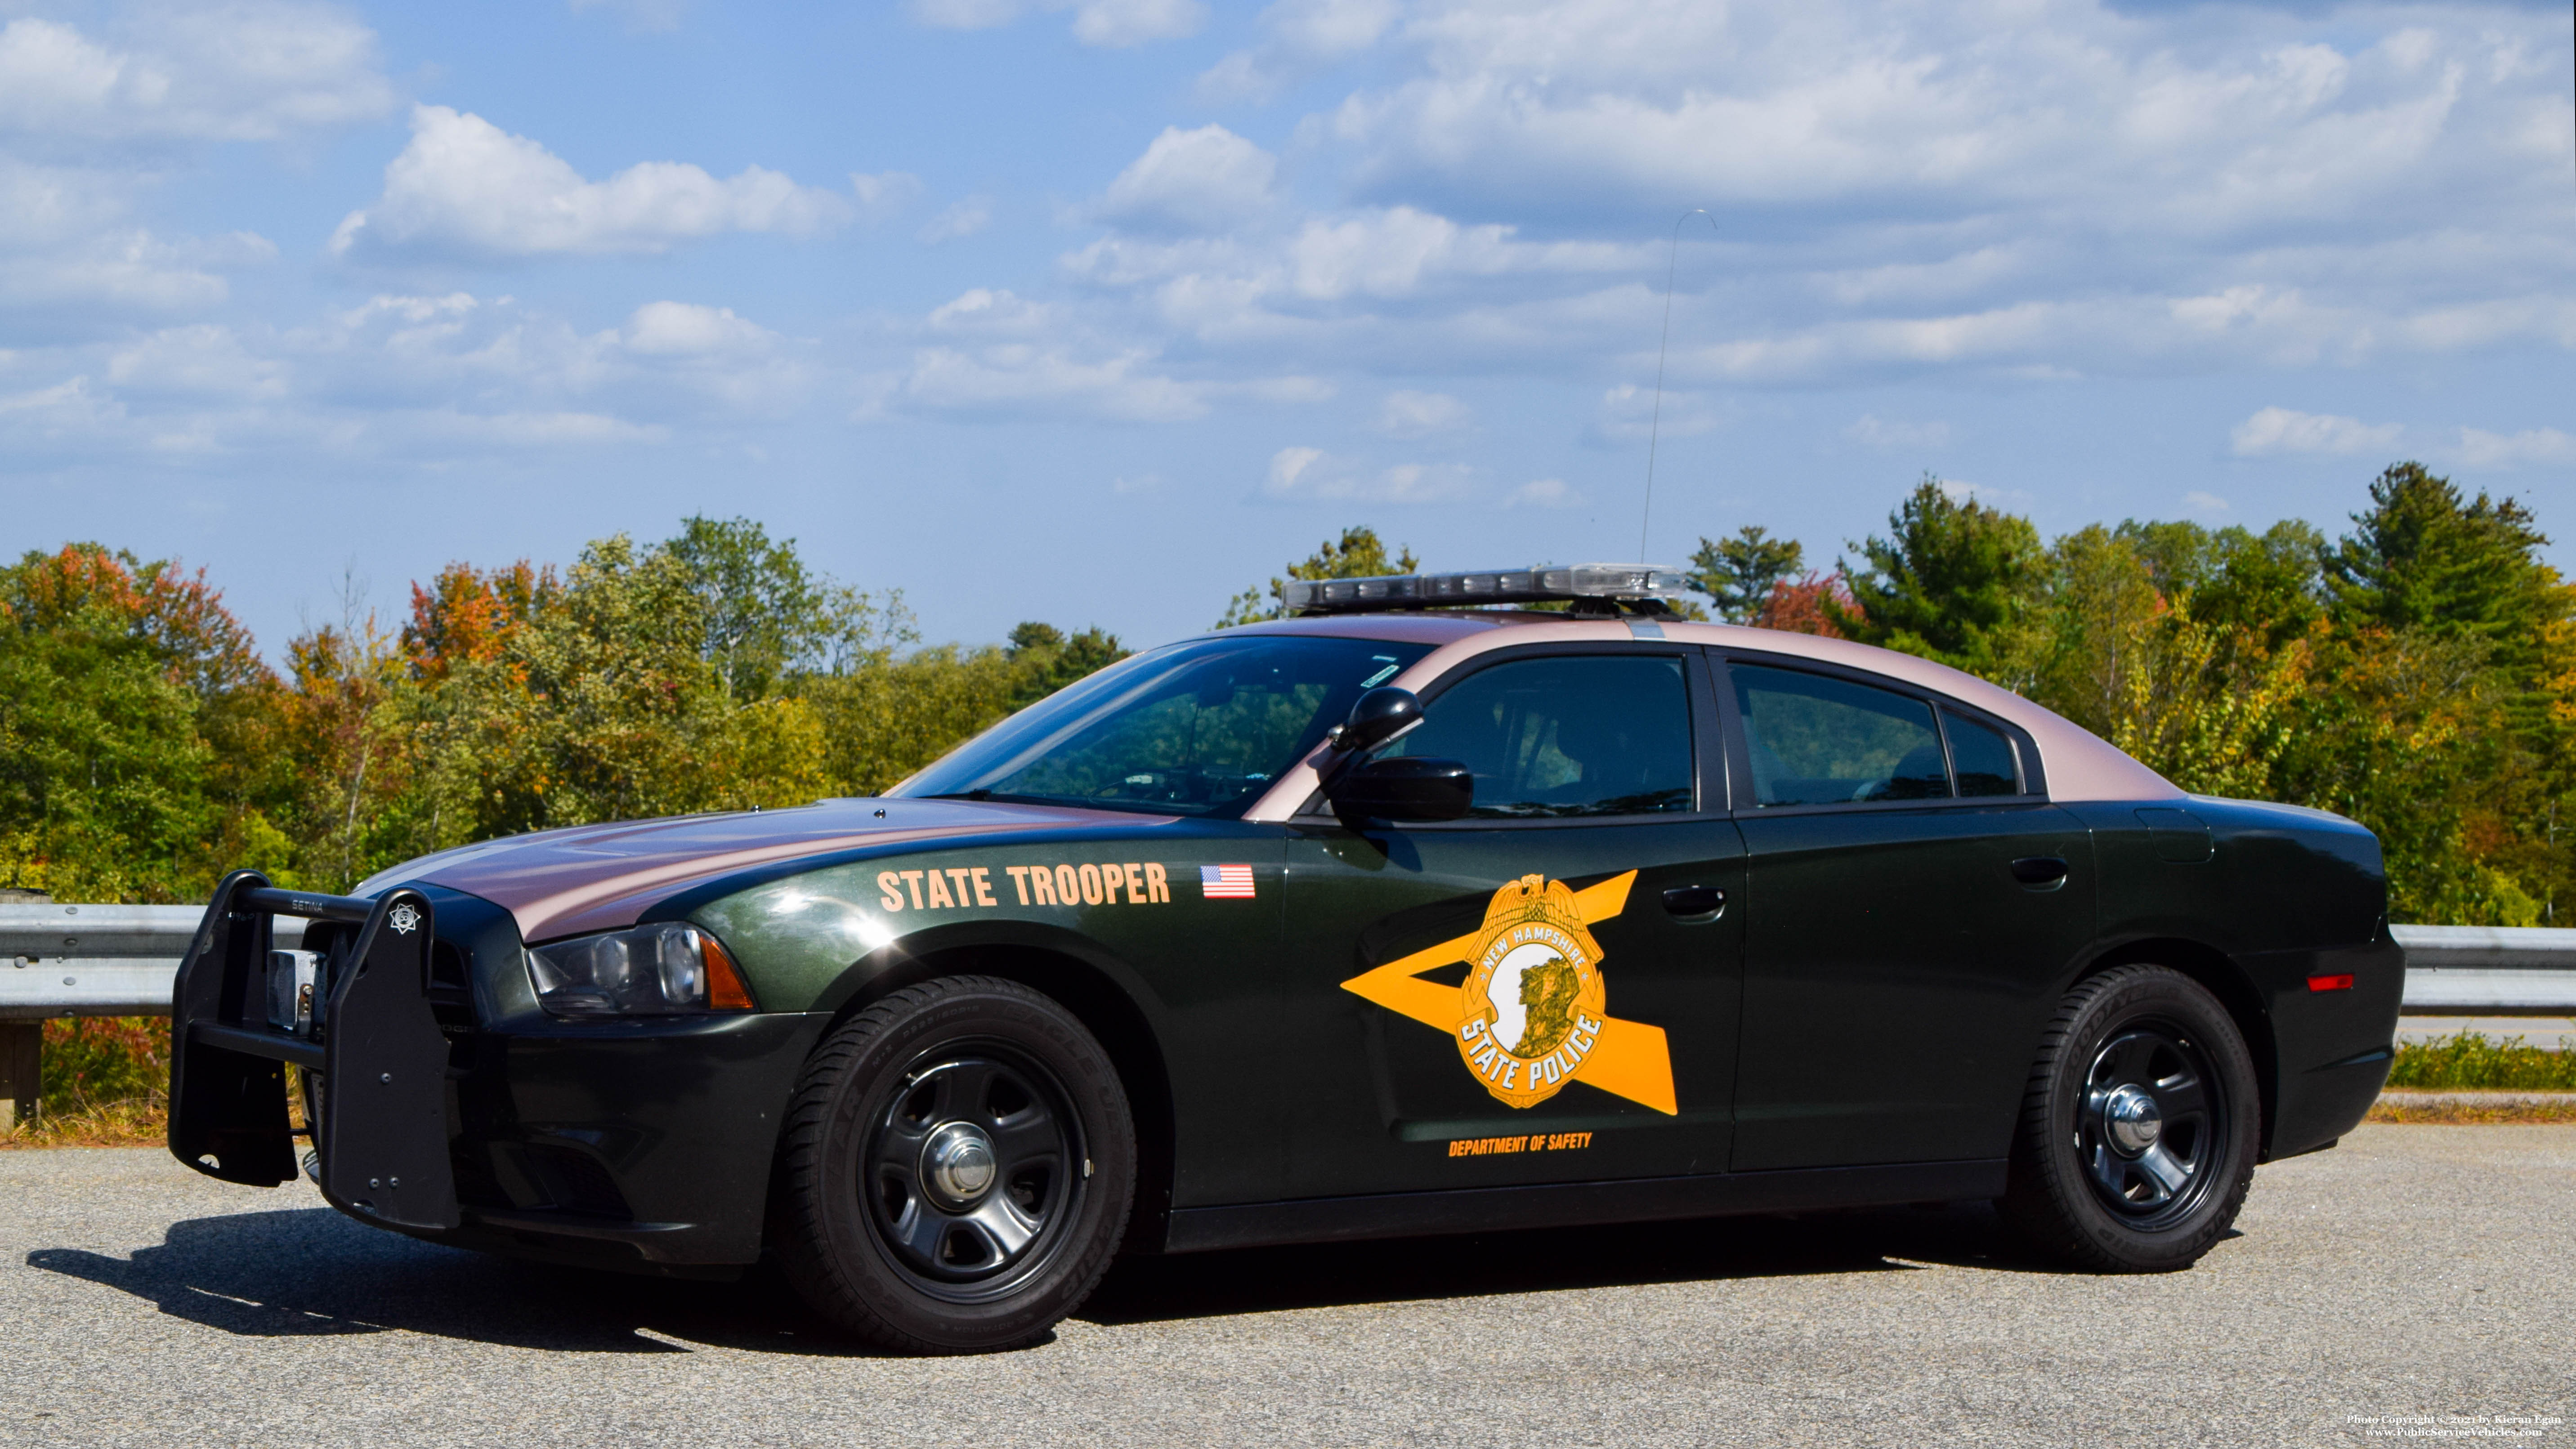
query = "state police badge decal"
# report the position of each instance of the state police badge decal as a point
(1533, 995)
(1533, 1012)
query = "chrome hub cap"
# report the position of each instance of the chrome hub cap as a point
(957, 1163)
(2132, 1120)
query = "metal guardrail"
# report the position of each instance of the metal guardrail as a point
(63, 960)
(60, 960)
(2489, 970)
(98, 960)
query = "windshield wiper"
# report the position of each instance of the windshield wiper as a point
(963, 795)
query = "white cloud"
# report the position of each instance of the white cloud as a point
(1960, 490)
(1133, 22)
(885, 193)
(685, 329)
(1406, 414)
(116, 273)
(2277, 430)
(2481, 449)
(1544, 493)
(202, 361)
(984, 311)
(1300, 37)
(1209, 179)
(1871, 431)
(1024, 379)
(961, 219)
(243, 72)
(1114, 23)
(1303, 474)
(2200, 502)
(640, 15)
(1628, 414)
(464, 187)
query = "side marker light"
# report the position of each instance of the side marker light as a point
(725, 991)
(2330, 983)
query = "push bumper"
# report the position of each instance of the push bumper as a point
(640, 1144)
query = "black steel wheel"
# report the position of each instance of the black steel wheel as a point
(2151, 1125)
(956, 1169)
(2138, 1131)
(973, 1170)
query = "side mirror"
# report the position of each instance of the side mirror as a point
(1404, 787)
(1377, 717)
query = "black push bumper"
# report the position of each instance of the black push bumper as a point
(382, 1139)
(641, 1144)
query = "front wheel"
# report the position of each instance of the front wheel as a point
(2138, 1131)
(957, 1169)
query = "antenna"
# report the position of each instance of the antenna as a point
(1655, 426)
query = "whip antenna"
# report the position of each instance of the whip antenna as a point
(1655, 424)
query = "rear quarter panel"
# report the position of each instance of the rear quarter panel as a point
(2283, 895)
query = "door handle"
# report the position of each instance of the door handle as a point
(1695, 904)
(2040, 872)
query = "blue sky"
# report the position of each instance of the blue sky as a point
(1100, 310)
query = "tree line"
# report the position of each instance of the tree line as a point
(2417, 673)
(146, 748)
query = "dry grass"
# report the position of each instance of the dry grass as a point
(132, 1122)
(2474, 1108)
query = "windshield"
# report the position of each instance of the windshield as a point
(1200, 728)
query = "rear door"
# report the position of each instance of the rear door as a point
(1546, 990)
(1912, 907)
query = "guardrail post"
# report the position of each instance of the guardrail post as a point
(22, 1071)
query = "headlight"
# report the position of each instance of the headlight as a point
(657, 970)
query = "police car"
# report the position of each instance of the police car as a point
(1417, 913)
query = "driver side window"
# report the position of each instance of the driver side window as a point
(1821, 741)
(1605, 734)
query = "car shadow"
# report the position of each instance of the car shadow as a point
(311, 1271)
(1260, 1280)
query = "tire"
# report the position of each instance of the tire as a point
(956, 1169)
(2138, 1133)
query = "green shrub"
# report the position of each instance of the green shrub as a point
(93, 1061)
(2469, 1062)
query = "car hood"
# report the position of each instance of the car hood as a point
(601, 877)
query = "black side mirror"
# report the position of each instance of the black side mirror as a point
(1377, 717)
(1404, 787)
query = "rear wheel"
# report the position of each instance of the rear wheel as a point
(2138, 1131)
(957, 1169)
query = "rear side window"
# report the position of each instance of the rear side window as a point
(1982, 757)
(1601, 735)
(1820, 741)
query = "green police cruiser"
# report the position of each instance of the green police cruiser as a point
(1414, 914)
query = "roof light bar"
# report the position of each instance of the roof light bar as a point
(1551, 584)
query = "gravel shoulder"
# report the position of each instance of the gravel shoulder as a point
(2414, 1273)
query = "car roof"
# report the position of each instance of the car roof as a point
(2079, 764)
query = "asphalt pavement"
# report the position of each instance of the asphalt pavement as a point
(2400, 1286)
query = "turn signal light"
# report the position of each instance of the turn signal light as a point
(2331, 983)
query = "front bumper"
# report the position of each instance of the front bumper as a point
(625, 1144)
(448, 1107)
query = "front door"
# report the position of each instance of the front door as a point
(1547, 989)
(1912, 908)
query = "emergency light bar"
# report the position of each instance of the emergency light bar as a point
(1610, 583)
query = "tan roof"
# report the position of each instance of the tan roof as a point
(2080, 764)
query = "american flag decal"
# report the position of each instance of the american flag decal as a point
(1225, 882)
